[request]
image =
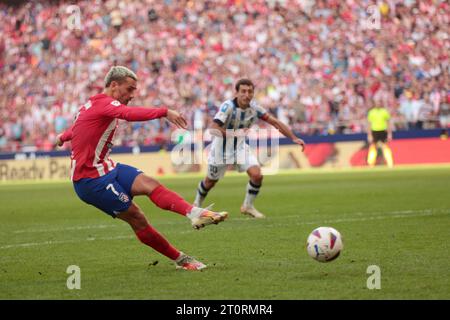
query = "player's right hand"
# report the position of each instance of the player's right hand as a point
(177, 119)
(300, 142)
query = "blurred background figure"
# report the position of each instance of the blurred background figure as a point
(379, 133)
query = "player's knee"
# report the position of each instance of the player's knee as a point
(150, 185)
(144, 185)
(256, 177)
(210, 183)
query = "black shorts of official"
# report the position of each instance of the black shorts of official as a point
(379, 136)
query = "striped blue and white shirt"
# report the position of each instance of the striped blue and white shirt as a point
(231, 117)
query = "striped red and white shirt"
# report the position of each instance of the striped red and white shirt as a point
(92, 134)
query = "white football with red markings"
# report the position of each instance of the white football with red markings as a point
(324, 244)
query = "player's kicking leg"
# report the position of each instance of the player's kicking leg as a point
(169, 200)
(253, 186)
(113, 193)
(151, 237)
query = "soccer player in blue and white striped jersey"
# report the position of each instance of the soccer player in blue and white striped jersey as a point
(229, 126)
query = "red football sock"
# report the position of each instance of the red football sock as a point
(154, 239)
(169, 200)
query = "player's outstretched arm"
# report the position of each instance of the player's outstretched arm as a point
(285, 130)
(63, 137)
(117, 110)
(120, 111)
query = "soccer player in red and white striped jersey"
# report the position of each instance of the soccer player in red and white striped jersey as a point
(101, 182)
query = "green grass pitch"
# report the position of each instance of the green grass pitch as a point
(396, 219)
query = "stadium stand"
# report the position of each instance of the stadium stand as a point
(316, 64)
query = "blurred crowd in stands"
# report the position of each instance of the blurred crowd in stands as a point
(318, 65)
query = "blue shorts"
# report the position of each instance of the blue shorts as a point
(110, 193)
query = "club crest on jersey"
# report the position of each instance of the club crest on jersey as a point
(123, 197)
(115, 103)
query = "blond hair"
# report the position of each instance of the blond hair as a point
(118, 73)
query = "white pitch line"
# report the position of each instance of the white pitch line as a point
(391, 215)
(101, 226)
(374, 214)
(410, 214)
(32, 244)
(397, 216)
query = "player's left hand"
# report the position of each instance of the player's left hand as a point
(58, 142)
(300, 142)
(177, 119)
